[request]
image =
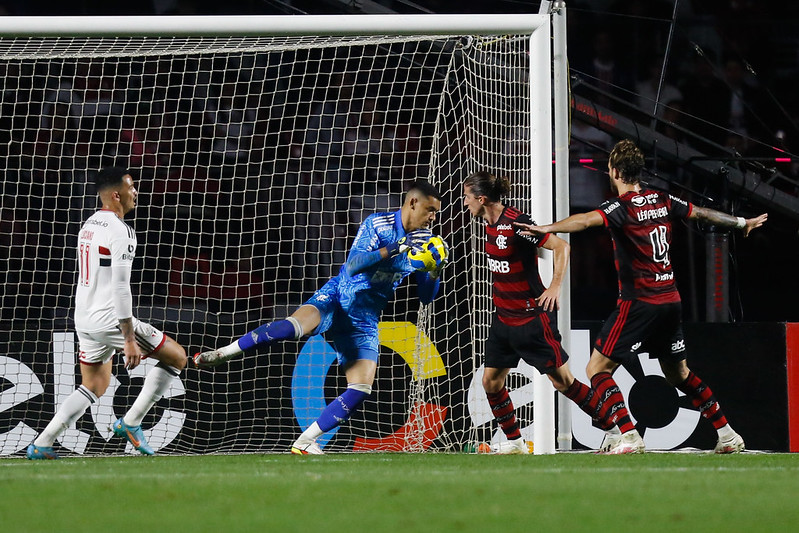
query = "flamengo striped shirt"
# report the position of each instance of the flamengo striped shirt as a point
(513, 261)
(640, 226)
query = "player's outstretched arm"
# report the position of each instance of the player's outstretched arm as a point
(572, 224)
(718, 218)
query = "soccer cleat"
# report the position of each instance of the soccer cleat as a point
(608, 442)
(734, 444)
(511, 447)
(211, 358)
(306, 448)
(41, 452)
(630, 442)
(135, 436)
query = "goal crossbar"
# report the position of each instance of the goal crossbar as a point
(269, 25)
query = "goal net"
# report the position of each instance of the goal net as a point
(256, 158)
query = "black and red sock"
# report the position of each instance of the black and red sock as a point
(587, 400)
(702, 398)
(611, 408)
(502, 408)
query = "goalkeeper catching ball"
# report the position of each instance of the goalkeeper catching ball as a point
(347, 308)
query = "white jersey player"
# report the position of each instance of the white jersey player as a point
(105, 323)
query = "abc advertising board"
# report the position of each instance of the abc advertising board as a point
(261, 403)
(743, 364)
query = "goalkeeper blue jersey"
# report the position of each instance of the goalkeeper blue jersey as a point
(350, 306)
(374, 287)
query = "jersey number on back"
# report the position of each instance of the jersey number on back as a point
(84, 249)
(660, 245)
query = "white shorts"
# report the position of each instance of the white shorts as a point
(97, 347)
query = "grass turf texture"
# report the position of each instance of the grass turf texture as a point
(403, 492)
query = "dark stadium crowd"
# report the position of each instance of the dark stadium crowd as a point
(720, 82)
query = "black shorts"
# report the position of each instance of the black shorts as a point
(537, 343)
(636, 326)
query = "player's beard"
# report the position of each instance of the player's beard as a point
(613, 188)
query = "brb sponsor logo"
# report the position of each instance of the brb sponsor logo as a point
(26, 385)
(502, 267)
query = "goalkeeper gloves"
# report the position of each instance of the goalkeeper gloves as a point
(415, 239)
(442, 259)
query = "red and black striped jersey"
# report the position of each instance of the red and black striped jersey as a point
(640, 226)
(513, 261)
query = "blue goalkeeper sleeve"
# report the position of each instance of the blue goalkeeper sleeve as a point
(357, 263)
(427, 287)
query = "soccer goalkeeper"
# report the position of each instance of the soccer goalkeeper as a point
(347, 308)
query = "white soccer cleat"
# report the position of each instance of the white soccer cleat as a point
(306, 448)
(630, 442)
(511, 447)
(211, 358)
(608, 442)
(734, 444)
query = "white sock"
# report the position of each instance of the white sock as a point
(312, 433)
(155, 385)
(231, 349)
(69, 412)
(613, 431)
(726, 432)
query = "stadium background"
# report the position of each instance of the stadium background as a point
(763, 279)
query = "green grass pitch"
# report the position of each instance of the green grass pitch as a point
(354, 493)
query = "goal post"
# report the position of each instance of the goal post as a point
(258, 145)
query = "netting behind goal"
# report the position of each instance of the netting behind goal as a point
(256, 159)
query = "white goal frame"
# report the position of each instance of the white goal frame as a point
(537, 26)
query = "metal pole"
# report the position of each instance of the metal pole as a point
(665, 63)
(717, 247)
(561, 105)
(541, 166)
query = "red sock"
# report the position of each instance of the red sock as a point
(502, 408)
(702, 398)
(586, 400)
(610, 402)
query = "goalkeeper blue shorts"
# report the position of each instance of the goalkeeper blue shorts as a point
(353, 335)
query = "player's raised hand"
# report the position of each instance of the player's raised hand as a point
(752, 223)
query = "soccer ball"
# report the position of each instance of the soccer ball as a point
(423, 259)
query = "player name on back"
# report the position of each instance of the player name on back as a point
(649, 214)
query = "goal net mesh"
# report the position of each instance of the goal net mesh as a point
(256, 159)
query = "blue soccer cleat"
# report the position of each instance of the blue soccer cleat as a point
(41, 452)
(135, 436)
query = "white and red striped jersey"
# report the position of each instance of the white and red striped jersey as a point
(106, 248)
